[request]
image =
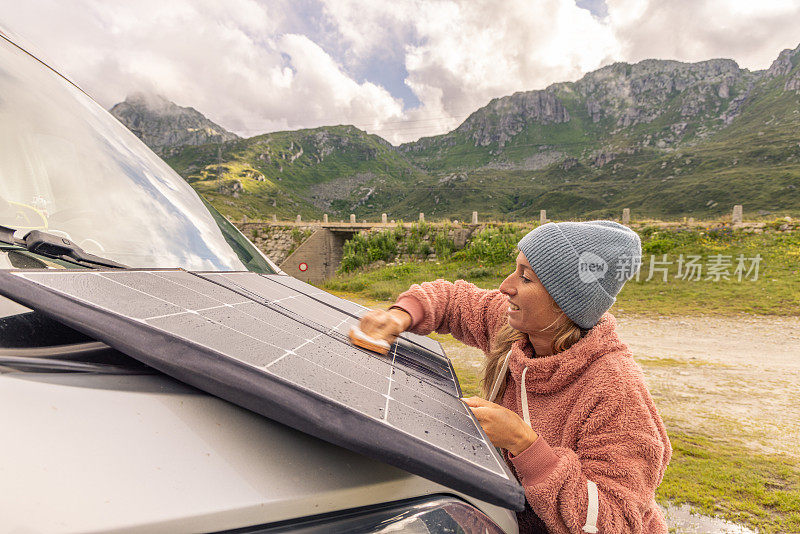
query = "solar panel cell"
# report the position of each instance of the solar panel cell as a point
(217, 337)
(108, 293)
(331, 385)
(338, 363)
(263, 327)
(193, 283)
(440, 434)
(451, 413)
(357, 360)
(181, 296)
(274, 322)
(333, 301)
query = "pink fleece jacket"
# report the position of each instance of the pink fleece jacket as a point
(602, 447)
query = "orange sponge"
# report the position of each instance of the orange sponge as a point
(360, 339)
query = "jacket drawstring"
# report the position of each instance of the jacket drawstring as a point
(501, 376)
(523, 397)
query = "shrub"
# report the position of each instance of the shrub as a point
(474, 273)
(363, 249)
(413, 244)
(660, 245)
(420, 229)
(495, 244)
(443, 245)
(298, 235)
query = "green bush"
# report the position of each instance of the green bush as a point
(363, 249)
(413, 244)
(443, 245)
(474, 273)
(298, 235)
(495, 244)
(660, 245)
(666, 240)
(419, 230)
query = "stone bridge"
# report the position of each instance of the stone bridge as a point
(319, 256)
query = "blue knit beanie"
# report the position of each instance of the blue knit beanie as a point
(583, 265)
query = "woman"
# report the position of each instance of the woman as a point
(562, 395)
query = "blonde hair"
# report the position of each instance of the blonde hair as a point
(566, 334)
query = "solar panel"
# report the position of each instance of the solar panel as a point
(279, 347)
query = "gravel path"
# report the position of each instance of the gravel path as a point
(737, 378)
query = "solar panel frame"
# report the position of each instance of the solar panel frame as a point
(276, 398)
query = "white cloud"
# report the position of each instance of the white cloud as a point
(465, 53)
(230, 60)
(262, 65)
(479, 52)
(752, 33)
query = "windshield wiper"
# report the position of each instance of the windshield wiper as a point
(90, 357)
(57, 247)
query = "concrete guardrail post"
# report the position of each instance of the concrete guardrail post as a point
(736, 216)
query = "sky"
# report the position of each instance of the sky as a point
(401, 69)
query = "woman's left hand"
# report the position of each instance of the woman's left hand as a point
(503, 427)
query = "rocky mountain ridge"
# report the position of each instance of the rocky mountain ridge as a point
(163, 125)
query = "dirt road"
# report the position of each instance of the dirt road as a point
(737, 378)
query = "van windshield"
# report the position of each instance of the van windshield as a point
(69, 168)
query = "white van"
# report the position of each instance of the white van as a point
(94, 441)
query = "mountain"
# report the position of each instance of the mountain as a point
(653, 103)
(163, 125)
(333, 169)
(664, 138)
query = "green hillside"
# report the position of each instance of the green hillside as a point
(334, 170)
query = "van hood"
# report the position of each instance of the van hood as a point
(171, 458)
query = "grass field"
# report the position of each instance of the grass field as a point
(773, 290)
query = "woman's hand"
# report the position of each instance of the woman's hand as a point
(503, 427)
(385, 325)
